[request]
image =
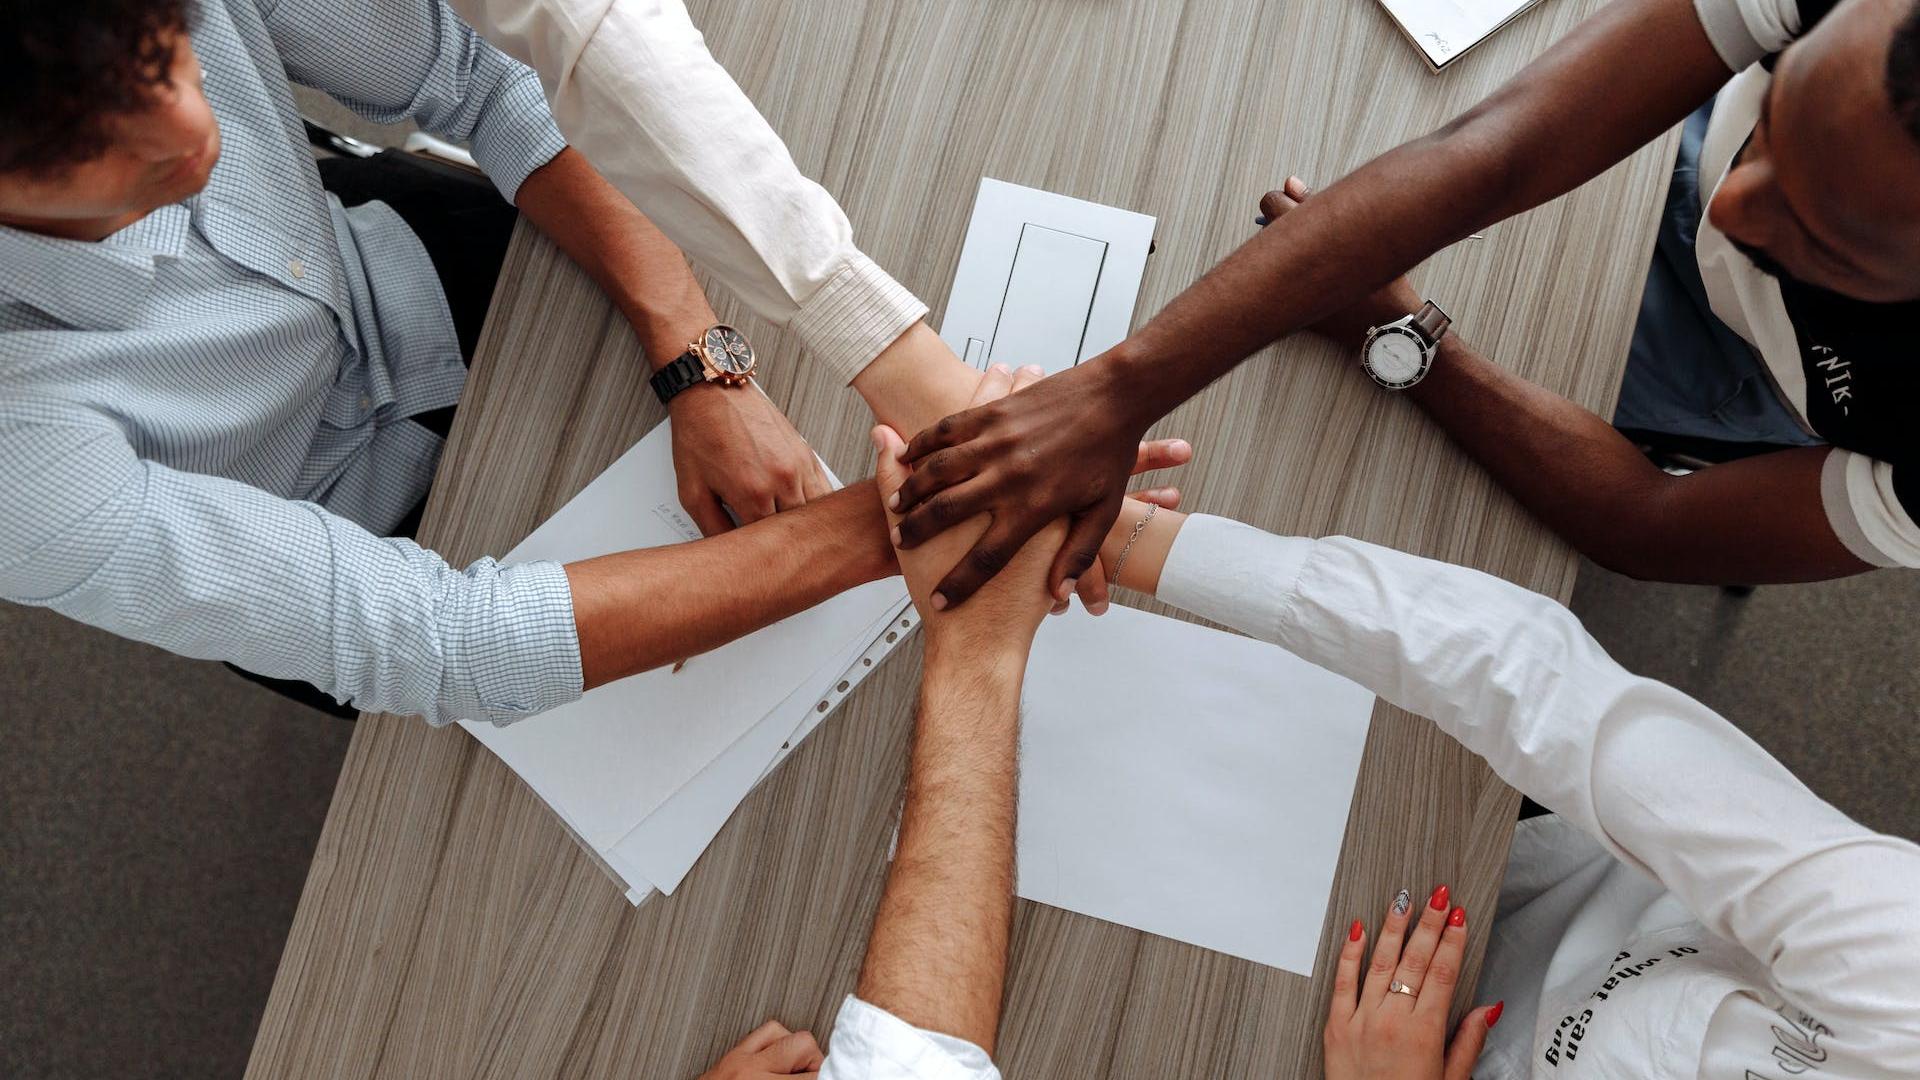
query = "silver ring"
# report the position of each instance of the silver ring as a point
(1398, 987)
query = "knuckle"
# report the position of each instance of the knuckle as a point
(1078, 562)
(1381, 966)
(942, 509)
(987, 560)
(1443, 973)
(1415, 965)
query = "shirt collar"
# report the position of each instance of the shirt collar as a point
(91, 284)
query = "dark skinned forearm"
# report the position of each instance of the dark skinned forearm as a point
(1619, 79)
(637, 610)
(938, 954)
(1754, 521)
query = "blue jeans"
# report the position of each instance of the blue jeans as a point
(1687, 374)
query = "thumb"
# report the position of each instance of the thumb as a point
(889, 472)
(1469, 1039)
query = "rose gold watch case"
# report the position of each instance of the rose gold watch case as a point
(714, 372)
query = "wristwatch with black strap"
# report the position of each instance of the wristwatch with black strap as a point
(1399, 354)
(722, 356)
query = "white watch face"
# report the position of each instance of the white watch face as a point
(729, 350)
(1395, 356)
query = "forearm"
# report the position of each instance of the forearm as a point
(1745, 522)
(632, 261)
(1623, 76)
(916, 381)
(937, 956)
(637, 610)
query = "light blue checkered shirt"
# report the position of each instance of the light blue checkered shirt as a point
(203, 418)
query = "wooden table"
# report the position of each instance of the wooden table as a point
(450, 928)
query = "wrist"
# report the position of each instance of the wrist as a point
(1124, 383)
(666, 332)
(993, 655)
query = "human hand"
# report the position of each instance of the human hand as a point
(1009, 609)
(1374, 1033)
(769, 1050)
(1349, 325)
(1060, 448)
(732, 446)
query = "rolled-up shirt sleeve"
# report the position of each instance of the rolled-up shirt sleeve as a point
(635, 89)
(1868, 504)
(870, 1043)
(1743, 31)
(395, 60)
(215, 569)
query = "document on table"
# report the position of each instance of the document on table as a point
(1443, 30)
(691, 743)
(1186, 781)
(1044, 279)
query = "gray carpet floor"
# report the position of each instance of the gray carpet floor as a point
(157, 814)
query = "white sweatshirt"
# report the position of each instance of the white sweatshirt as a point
(1692, 911)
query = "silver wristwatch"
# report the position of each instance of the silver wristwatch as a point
(1400, 353)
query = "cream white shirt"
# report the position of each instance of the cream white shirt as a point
(1693, 910)
(633, 87)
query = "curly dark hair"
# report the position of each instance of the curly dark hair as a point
(69, 66)
(1903, 72)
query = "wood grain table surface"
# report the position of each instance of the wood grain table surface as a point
(450, 927)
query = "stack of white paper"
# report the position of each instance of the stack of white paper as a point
(646, 770)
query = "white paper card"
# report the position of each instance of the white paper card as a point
(1443, 30)
(1044, 279)
(1186, 781)
(608, 760)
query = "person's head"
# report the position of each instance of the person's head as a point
(1828, 188)
(102, 118)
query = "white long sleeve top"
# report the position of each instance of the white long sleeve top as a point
(1693, 910)
(633, 88)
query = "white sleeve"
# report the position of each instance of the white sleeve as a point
(1743, 31)
(633, 87)
(1829, 908)
(1865, 510)
(870, 1043)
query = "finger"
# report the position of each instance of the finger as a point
(942, 512)
(994, 385)
(1162, 454)
(1386, 949)
(1469, 1039)
(889, 472)
(1274, 203)
(1346, 974)
(947, 431)
(1166, 498)
(933, 474)
(1418, 954)
(989, 555)
(755, 507)
(1026, 377)
(763, 1036)
(707, 513)
(1297, 189)
(1076, 556)
(1443, 973)
(1092, 586)
(792, 1052)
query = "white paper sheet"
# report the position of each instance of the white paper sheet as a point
(1186, 781)
(612, 758)
(1444, 30)
(1044, 279)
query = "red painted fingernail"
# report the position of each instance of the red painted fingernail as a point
(1458, 917)
(1358, 929)
(1493, 1014)
(1438, 901)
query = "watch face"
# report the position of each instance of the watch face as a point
(1395, 356)
(729, 350)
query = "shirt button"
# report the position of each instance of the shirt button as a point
(366, 402)
(297, 268)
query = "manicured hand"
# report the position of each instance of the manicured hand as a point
(1009, 610)
(1061, 448)
(1348, 326)
(732, 447)
(770, 1050)
(1374, 1033)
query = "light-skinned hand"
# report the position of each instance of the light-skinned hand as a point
(770, 1050)
(1374, 1033)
